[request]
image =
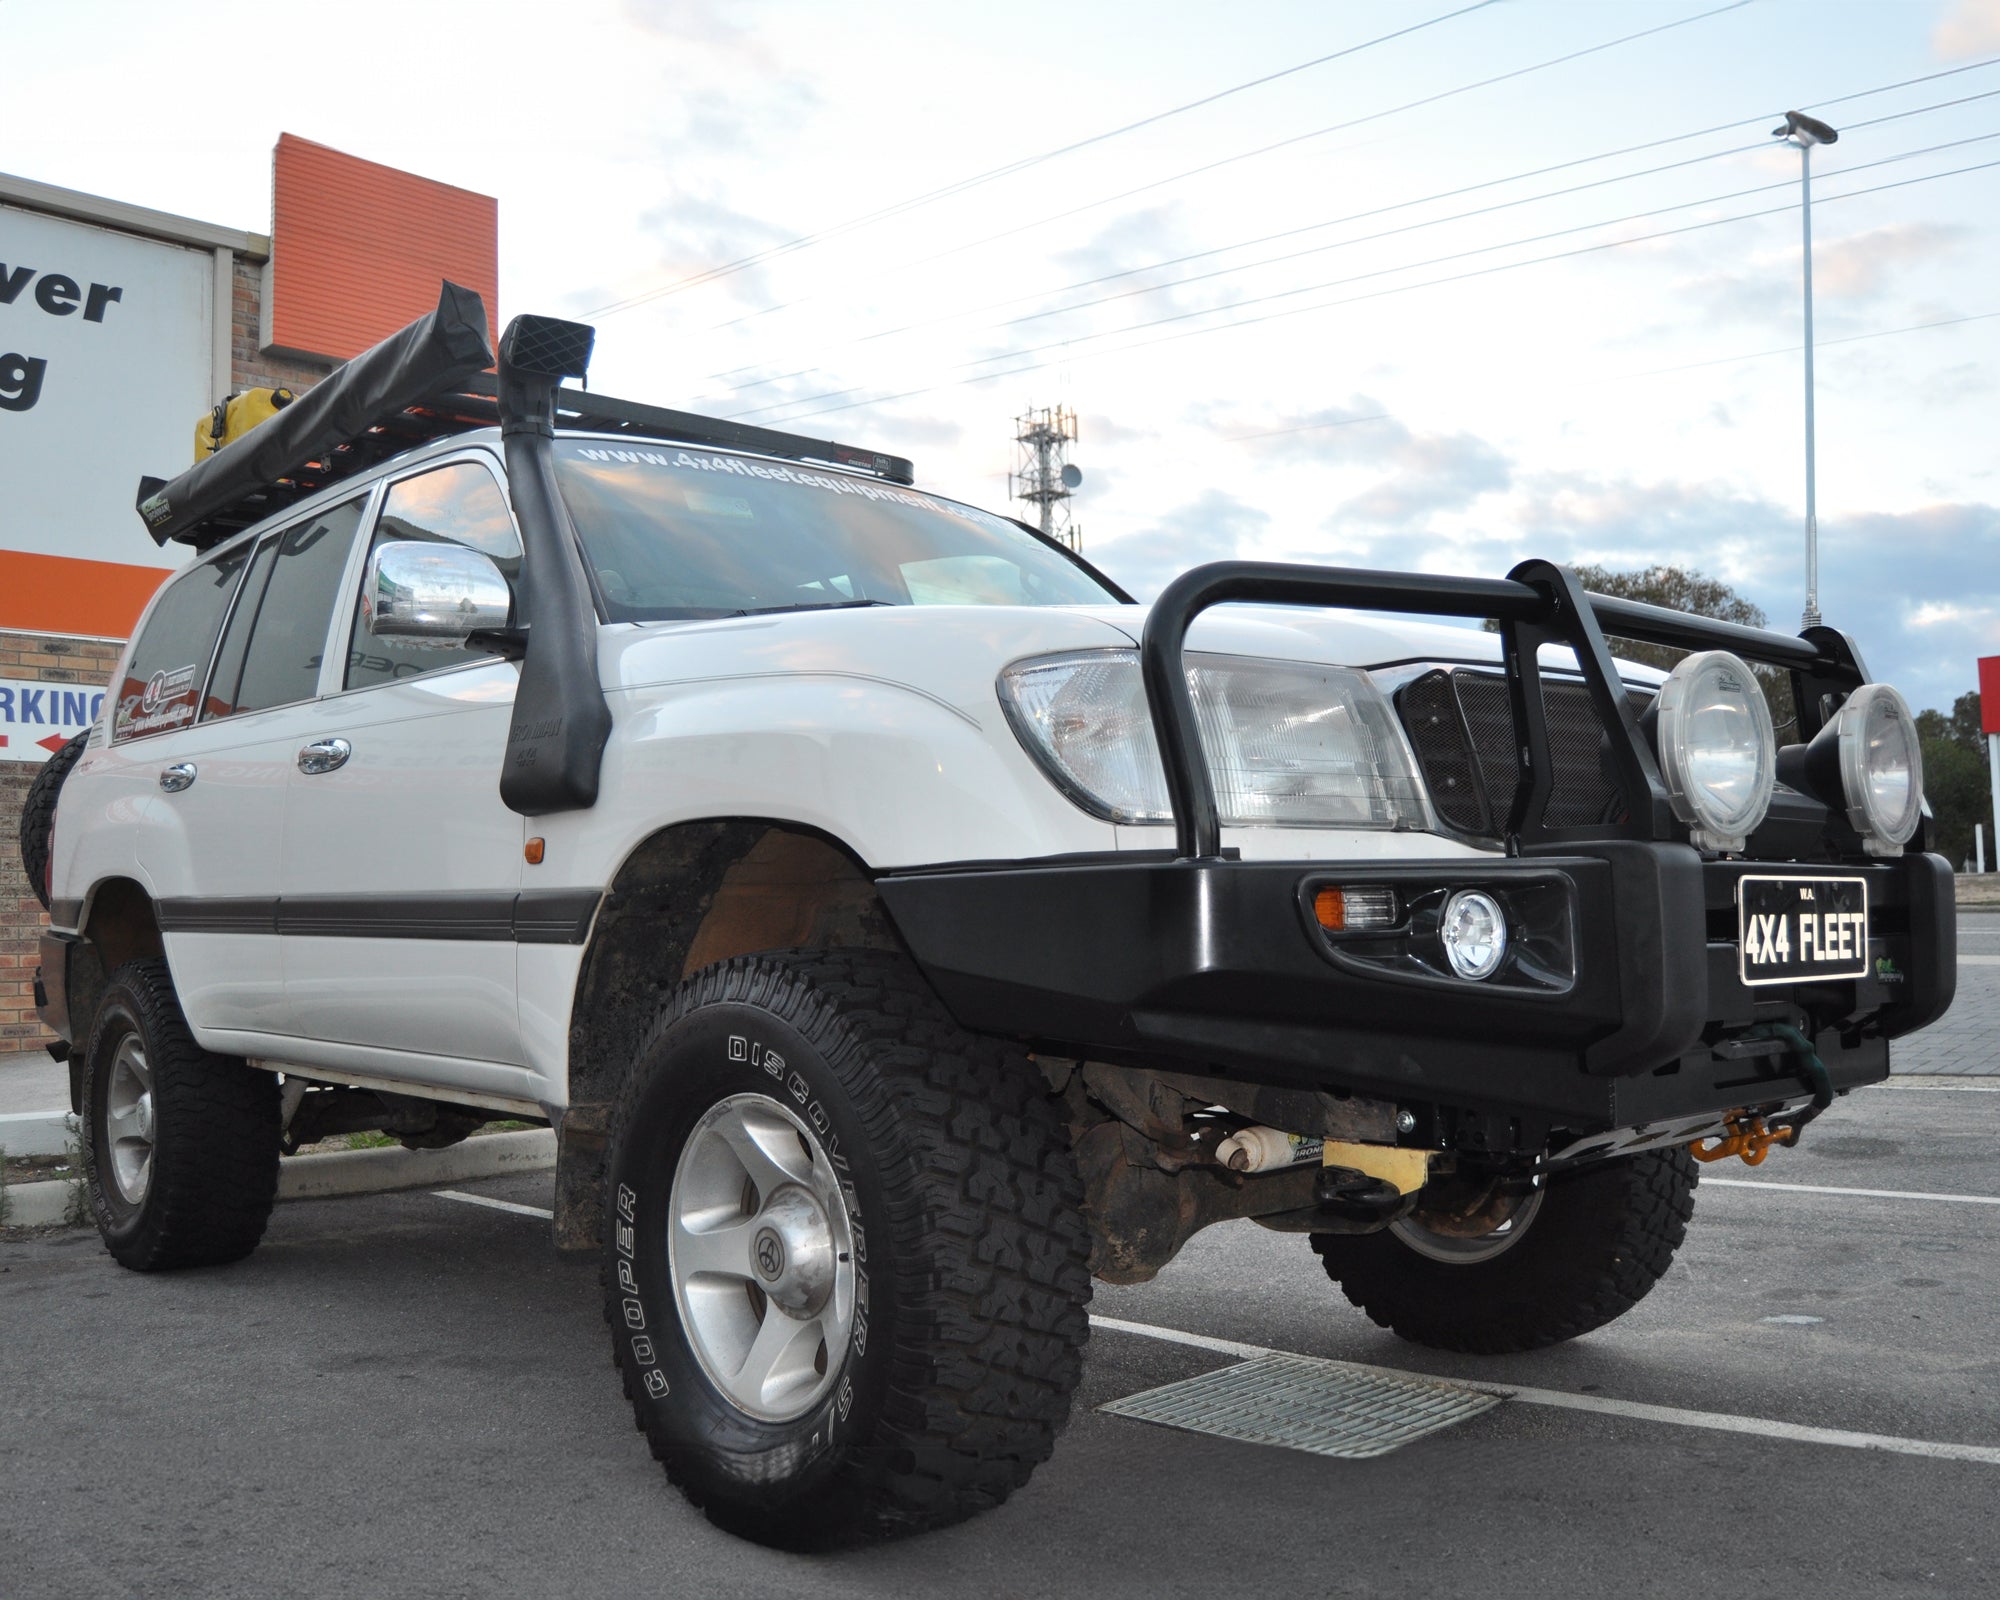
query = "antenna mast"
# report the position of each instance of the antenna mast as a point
(1043, 474)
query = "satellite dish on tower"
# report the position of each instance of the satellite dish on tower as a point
(1072, 475)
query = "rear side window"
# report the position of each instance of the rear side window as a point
(289, 619)
(163, 680)
(221, 700)
(458, 504)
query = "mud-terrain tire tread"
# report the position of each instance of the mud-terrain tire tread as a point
(215, 1159)
(1605, 1235)
(989, 1244)
(38, 814)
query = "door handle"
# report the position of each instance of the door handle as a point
(324, 755)
(177, 777)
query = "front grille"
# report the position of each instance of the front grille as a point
(1461, 726)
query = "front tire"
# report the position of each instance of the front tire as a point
(847, 1272)
(180, 1146)
(1582, 1252)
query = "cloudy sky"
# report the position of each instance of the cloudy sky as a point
(1437, 285)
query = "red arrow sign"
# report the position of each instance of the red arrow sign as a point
(53, 742)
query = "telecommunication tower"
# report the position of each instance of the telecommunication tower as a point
(1043, 474)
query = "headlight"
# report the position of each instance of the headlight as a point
(1288, 745)
(1870, 748)
(1717, 751)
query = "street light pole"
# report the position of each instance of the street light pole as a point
(1805, 132)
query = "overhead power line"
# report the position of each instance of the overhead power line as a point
(1627, 377)
(1794, 349)
(1401, 205)
(1379, 294)
(1200, 255)
(1008, 169)
(1074, 340)
(1337, 127)
(1734, 194)
(1296, 139)
(1503, 205)
(1633, 377)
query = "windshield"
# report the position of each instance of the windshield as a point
(674, 532)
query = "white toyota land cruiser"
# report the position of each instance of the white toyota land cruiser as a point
(899, 926)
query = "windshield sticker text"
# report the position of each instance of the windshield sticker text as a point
(737, 466)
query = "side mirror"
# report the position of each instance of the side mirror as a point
(441, 592)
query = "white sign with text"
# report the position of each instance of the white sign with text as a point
(105, 351)
(37, 719)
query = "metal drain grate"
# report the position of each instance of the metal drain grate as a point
(1303, 1403)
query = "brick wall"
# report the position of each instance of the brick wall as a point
(51, 660)
(250, 366)
(71, 660)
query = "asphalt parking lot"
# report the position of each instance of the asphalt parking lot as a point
(409, 1394)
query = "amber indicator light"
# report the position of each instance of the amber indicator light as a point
(1330, 906)
(534, 851)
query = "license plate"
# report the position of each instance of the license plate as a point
(1791, 930)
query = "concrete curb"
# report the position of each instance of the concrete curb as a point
(343, 1172)
(372, 1171)
(37, 1205)
(36, 1133)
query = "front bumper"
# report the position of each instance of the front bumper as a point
(1217, 964)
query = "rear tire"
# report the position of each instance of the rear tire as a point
(1601, 1237)
(38, 814)
(918, 1364)
(180, 1146)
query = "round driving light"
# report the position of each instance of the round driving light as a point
(1881, 765)
(1474, 934)
(1717, 749)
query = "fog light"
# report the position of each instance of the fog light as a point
(1474, 934)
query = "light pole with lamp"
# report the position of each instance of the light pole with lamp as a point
(1805, 132)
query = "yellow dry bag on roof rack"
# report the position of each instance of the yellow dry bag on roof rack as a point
(235, 417)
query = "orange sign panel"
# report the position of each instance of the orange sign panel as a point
(357, 249)
(62, 594)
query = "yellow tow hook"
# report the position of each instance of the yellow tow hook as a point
(1746, 1135)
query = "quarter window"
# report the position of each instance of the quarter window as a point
(163, 679)
(456, 504)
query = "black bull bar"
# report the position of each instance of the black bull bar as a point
(1537, 603)
(1207, 959)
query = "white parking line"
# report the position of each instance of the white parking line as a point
(1720, 1422)
(1938, 1088)
(1867, 1194)
(497, 1205)
(1761, 1427)
(1979, 961)
(1707, 1182)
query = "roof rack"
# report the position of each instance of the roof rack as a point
(599, 413)
(421, 384)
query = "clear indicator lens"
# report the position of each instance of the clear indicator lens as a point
(1355, 909)
(1474, 934)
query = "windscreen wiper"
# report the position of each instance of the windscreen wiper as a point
(810, 605)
